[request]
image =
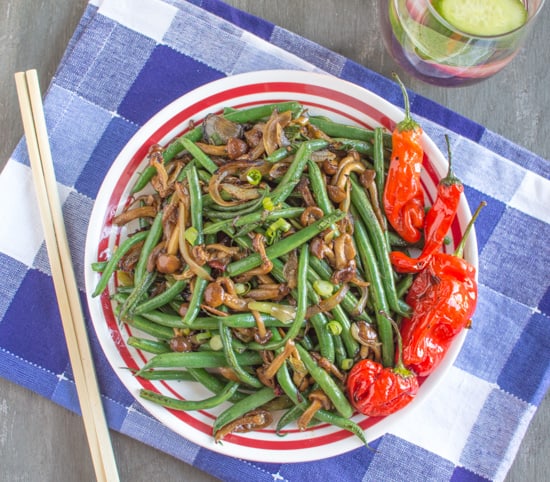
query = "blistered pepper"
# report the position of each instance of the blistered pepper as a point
(438, 221)
(377, 391)
(443, 298)
(403, 194)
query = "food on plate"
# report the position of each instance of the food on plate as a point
(256, 262)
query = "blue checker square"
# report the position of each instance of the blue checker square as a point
(32, 328)
(519, 154)
(12, 273)
(350, 465)
(492, 433)
(71, 147)
(447, 118)
(79, 61)
(397, 460)
(483, 354)
(488, 217)
(527, 373)
(187, 27)
(461, 474)
(331, 62)
(165, 77)
(116, 135)
(516, 243)
(544, 305)
(376, 83)
(246, 21)
(105, 74)
(230, 469)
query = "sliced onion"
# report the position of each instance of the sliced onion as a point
(328, 303)
(184, 249)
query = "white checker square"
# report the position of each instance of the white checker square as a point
(149, 17)
(533, 196)
(21, 235)
(442, 423)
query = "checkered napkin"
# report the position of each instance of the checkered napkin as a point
(127, 60)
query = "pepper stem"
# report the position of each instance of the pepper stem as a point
(460, 248)
(450, 178)
(399, 367)
(407, 124)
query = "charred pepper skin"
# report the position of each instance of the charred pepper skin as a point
(403, 194)
(443, 297)
(437, 223)
(378, 391)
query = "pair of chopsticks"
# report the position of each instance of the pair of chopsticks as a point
(97, 432)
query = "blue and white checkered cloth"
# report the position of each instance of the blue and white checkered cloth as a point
(127, 60)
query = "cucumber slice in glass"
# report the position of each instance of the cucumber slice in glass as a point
(483, 17)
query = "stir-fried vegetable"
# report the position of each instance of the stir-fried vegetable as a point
(258, 263)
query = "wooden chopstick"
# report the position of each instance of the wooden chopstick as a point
(97, 432)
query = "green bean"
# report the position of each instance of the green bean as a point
(212, 383)
(253, 114)
(301, 305)
(363, 206)
(343, 422)
(195, 301)
(286, 245)
(170, 320)
(377, 292)
(151, 241)
(318, 187)
(340, 352)
(188, 405)
(231, 357)
(134, 298)
(326, 343)
(291, 415)
(192, 359)
(281, 154)
(396, 241)
(253, 401)
(168, 375)
(257, 216)
(115, 258)
(150, 346)
(378, 158)
(195, 197)
(161, 299)
(294, 172)
(326, 383)
(199, 156)
(362, 147)
(404, 284)
(232, 212)
(335, 129)
(153, 329)
(284, 378)
(99, 266)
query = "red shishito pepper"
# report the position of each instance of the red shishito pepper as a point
(438, 221)
(403, 197)
(378, 391)
(443, 298)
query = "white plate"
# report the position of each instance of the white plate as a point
(321, 94)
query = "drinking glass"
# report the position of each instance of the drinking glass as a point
(428, 47)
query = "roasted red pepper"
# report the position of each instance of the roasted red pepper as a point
(377, 391)
(438, 221)
(443, 298)
(403, 194)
